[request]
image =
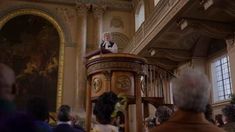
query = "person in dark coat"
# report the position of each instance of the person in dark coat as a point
(10, 119)
(64, 120)
(229, 117)
(37, 107)
(7, 80)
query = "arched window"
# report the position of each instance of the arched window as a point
(221, 78)
(139, 15)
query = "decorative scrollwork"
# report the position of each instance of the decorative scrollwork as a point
(123, 82)
(96, 85)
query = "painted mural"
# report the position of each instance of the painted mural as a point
(30, 45)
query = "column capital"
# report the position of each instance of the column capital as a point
(82, 9)
(98, 11)
(230, 42)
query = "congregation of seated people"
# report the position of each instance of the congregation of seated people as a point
(35, 117)
(190, 94)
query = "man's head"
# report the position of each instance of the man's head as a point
(191, 91)
(64, 113)
(163, 113)
(104, 107)
(107, 36)
(7, 80)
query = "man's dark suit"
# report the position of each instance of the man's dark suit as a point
(65, 128)
(183, 121)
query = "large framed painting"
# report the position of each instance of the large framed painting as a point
(30, 45)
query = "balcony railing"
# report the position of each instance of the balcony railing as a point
(157, 83)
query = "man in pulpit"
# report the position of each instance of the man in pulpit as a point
(108, 44)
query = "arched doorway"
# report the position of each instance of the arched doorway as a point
(32, 43)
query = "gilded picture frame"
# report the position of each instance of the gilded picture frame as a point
(5, 18)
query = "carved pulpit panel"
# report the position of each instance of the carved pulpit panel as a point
(123, 82)
(98, 85)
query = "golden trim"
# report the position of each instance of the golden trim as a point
(44, 15)
(117, 55)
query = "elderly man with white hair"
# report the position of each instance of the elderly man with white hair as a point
(108, 44)
(191, 95)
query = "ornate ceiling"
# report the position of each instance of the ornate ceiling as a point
(110, 4)
(195, 32)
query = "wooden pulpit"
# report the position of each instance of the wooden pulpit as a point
(119, 73)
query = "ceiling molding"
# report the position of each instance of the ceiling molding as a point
(162, 62)
(212, 29)
(173, 54)
(109, 4)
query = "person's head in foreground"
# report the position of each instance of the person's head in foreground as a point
(191, 95)
(7, 80)
(64, 113)
(104, 107)
(191, 91)
(163, 113)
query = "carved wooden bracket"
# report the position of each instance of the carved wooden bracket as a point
(108, 75)
(230, 41)
(206, 3)
(172, 54)
(212, 29)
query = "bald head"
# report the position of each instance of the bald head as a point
(7, 79)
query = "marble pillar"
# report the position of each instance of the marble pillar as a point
(80, 54)
(69, 76)
(231, 54)
(98, 18)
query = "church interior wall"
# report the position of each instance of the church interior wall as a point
(90, 33)
(119, 21)
(231, 54)
(112, 21)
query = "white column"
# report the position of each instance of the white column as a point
(199, 64)
(231, 54)
(98, 17)
(80, 54)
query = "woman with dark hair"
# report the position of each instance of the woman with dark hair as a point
(219, 120)
(103, 110)
(229, 117)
